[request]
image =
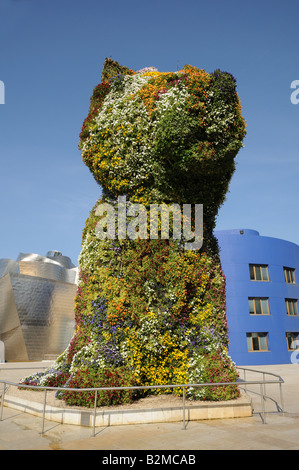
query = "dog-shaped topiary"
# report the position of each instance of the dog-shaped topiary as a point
(148, 310)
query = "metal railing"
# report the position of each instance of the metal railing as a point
(240, 383)
(263, 383)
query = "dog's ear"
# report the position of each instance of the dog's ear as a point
(112, 68)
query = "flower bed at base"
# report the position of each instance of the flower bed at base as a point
(213, 370)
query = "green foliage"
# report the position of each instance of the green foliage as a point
(213, 367)
(88, 377)
(112, 68)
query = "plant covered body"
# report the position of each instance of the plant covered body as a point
(149, 312)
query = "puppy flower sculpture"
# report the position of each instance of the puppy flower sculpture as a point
(149, 311)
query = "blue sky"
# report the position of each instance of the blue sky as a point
(51, 57)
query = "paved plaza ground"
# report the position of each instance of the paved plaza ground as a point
(22, 431)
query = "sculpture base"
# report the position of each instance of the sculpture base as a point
(157, 409)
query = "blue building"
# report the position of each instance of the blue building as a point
(262, 276)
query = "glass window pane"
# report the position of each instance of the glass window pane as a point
(258, 276)
(265, 273)
(291, 307)
(251, 271)
(251, 306)
(255, 342)
(263, 341)
(265, 306)
(258, 309)
(289, 274)
(285, 274)
(295, 342)
(249, 345)
(292, 340)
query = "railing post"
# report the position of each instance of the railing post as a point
(94, 414)
(263, 404)
(44, 411)
(264, 383)
(2, 400)
(184, 418)
(281, 398)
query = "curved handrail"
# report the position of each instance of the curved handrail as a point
(144, 387)
(260, 372)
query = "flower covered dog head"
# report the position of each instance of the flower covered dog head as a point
(164, 136)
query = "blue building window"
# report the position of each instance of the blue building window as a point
(257, 342)
(291, 306)
(292, 340)
(289, 275)
(258, 305)
(259, 272)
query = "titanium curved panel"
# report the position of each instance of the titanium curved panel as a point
(47, 271)
(8, 266)
(10, 327)
(41, 311)
(59, 268)
(52, 257)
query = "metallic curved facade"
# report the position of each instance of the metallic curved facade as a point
(37, 305)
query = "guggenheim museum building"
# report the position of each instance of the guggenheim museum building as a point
(36, 305)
